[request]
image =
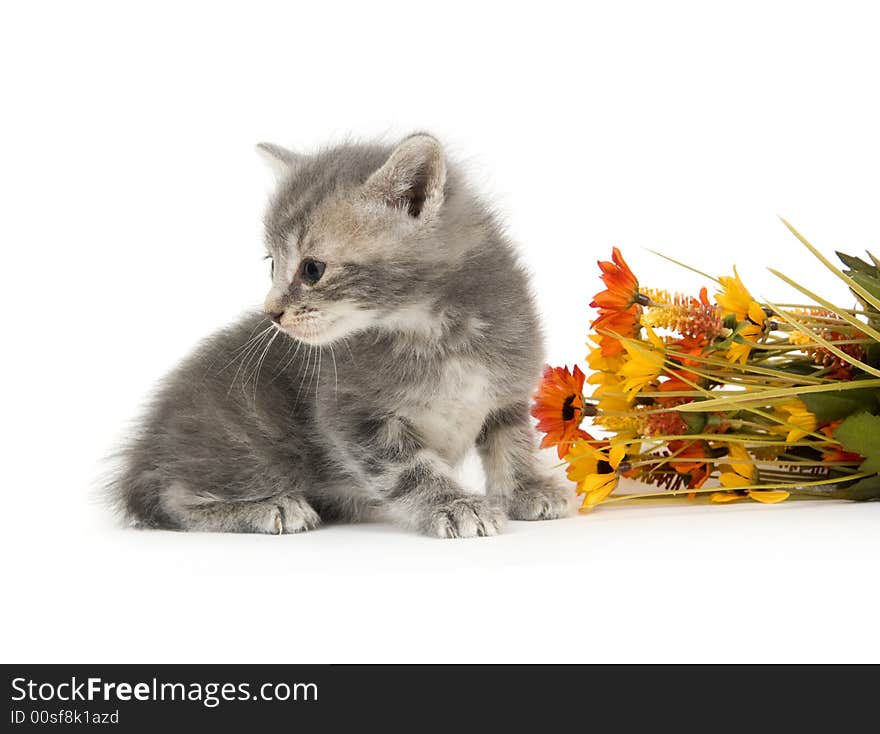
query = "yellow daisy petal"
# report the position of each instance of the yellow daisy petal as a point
(596, 488)
(725, 497)
(734, 297)
(769, 496)
(756, 313)
(741, 461)
(740, 352)
(642, 367)
(800, 420)
(733, 481)
(582, 461)
(655, 340)
(616, 455)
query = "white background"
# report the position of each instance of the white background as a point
(130, 227)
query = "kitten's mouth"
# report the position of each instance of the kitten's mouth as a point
(306, 327)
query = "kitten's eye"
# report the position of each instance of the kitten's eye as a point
(311, 270)
(271, 265)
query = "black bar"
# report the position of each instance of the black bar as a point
(417, 697)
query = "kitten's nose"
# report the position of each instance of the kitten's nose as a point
(275, 316)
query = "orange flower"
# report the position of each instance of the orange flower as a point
(686, 456)
(623, 323)
(836, 452)
(619, 304)
(559, 408)
(621, 286)
(681, 381)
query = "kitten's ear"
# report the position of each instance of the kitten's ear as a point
(280, 160)
(412, 178)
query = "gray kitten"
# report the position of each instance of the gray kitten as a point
(398, 332)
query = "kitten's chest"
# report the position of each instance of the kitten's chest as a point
(448, 411)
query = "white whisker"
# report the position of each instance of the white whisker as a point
(283, 359)
(240, 351)
(261, 360)
(305, 370)
(254, 360)
(335, 374)
(318, 373)
(295, 352)
(246, 360)
(348, 347)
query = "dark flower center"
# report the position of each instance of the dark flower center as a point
(568, 410)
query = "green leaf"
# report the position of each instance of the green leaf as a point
(856, 264)
(803, 368)
(862, 491)
(832, 406)
(857, 490)
(695, 422)
(861, 434)
(869, 283)
(872, 354)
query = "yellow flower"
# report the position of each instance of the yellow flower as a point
(583, 460)
(764, 496)
(608, 387)
(604, 382)
(740, 352)
(735, 299)
(597, 476)
(742, 472)
(769, 496)
(608, 392)
(615, 456)
(800, 420)
(596, 488)
(598, 362)
(644, 365)
(721, 497)
(623, 444)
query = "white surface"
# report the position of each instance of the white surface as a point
(131, 227)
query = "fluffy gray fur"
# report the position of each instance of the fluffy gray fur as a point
(365, 389)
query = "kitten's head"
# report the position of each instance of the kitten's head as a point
(352, 233)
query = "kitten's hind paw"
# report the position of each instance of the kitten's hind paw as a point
(465, 517)
(542, 500)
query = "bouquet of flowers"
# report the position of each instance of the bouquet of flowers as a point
(722, 396)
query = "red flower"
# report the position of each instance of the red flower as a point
(559, 408)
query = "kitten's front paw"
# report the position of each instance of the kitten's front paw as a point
(285, 515)
(464, 517)
(541, 500)
(296, 515)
